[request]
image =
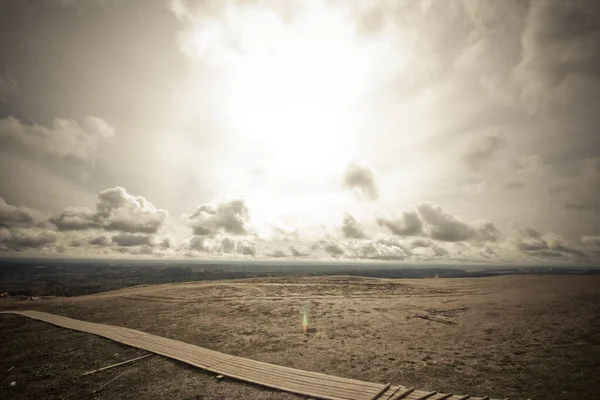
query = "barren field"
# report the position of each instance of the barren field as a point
(509, 336)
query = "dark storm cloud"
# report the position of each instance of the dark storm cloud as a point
(228, 217)
(362, 179)
(351, 228)
(408, 224)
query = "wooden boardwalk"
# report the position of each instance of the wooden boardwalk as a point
(312, 384)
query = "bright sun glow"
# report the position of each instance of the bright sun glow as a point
(292, 86)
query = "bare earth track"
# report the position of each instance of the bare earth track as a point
(505, 337)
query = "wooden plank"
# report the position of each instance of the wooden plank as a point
(307, 383)
(117, 364)
(302, 382)
(381, 392)
(403, 394)
(398, 388)
(426, 396)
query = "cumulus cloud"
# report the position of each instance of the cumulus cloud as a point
(116, 210)
(277, 254)
(351, 228)
(408, 224)
(100, 240)
(129, 239)
(441, 225)
(74, 218)
(120, 211)
(421, 242)
(8, 87)
(221, 244)
(591, 241)
(227, 217)
(544, 245)
(366, 249)
(433, 221)
(19, 239)
(298, 251)
(12, 216)
(65, 138)
(334, 249)
(361, 179)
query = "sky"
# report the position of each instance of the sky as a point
(459, 131)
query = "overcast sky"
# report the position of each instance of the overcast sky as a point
(416, 131)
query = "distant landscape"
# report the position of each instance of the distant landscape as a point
(74, 277)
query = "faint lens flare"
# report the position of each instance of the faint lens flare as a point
(305, 321)
(305, 318)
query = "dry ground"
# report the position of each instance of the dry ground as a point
(515, 336)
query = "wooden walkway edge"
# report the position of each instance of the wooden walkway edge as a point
(313, 384)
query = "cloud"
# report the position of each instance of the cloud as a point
(74, 218)
(66, 138)
(298, 251)
(544, 245)
(19, 239)
(351, 228)
(482, 149)
(120, 211)
(439, 251)
(128, 240)
(8, 87)
(366, 249)
(11, 216)
(441, 225)
(591, 241)
(228, 217)
(560, 45)
(277, 254)
(361, 179)
(421, 242)
(101, 240)
(409, 224)
(221, 244)
(334, 249)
